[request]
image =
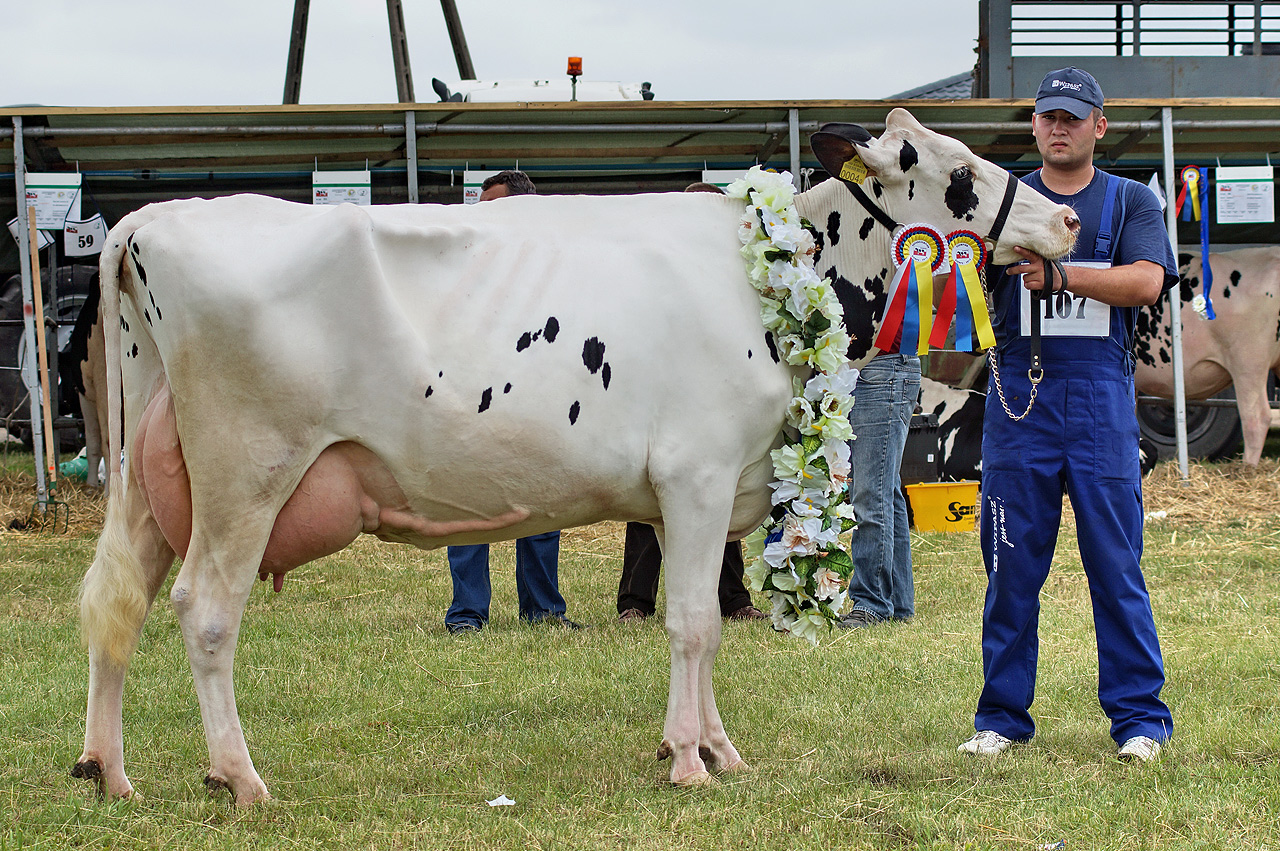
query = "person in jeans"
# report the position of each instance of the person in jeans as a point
(537, 556)
(882, 587)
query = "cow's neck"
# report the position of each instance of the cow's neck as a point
(856, 253)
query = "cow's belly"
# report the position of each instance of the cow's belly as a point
(347, 490)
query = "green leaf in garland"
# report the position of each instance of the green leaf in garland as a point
(811, 444)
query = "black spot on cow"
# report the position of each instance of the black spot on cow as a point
(142, 273)
(748, 354)
(865, 231)
(574, 410)
(1235, 277)
(485, 398)
(907, 157)
(960, 197)
(507, 389)
(133, 353)
(593, 354)
(833, 227)
(1226, 292)
(1188, 288)
(1184, 260)
(441, 374)
(876, 189)
(773, 349)
(819, 241)
(1164, 356)
(526, 340)
(911, 190)
(606, 374)
(146, 315)
(551, 330)
(429, 392)
(860, 305)
(124, 326)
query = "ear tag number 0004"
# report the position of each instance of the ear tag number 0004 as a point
(854, 171)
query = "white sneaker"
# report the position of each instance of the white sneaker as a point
(1140, 749)
(986, 743)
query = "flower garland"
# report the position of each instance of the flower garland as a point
(796, 555)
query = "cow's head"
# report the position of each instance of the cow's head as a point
(917, 175)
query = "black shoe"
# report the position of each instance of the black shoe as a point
(856, 619)
(462, 626)
(558, 620)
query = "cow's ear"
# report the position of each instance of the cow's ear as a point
(837, 147)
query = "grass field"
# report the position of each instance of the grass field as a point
(375, 729)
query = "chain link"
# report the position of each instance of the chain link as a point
(995, 369)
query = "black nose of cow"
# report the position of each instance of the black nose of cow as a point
(1073, 224)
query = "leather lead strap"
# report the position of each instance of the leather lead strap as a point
(879, 215)
(1010, 190)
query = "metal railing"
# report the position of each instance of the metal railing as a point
(1189, 27)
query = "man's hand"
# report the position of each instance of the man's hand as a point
(1031, 268)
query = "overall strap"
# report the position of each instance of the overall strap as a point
(1102, 245)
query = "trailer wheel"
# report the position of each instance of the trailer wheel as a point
(1212, 433)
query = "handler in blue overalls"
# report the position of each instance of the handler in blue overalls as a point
(1074, 432)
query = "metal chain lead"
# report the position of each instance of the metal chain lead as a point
(995, 370)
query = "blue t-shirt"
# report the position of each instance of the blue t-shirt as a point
(1137, 233)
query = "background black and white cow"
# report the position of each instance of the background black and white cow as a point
(294, 376)
(1240, 347)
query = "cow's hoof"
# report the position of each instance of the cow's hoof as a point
(739, 766)
(91, 770)
(697, 778)
(664, 751)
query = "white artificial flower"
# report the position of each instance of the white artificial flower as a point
(827, 583)
(1198, 304)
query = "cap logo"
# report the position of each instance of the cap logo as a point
(1075, 87)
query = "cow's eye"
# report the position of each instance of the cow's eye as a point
(961, 173)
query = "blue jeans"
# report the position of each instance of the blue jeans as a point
(537, 582)
(884, 400)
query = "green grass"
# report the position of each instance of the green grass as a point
(375, 729)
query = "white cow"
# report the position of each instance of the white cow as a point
(1240, 347)
(294, 376)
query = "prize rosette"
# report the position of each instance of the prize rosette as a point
(922, 243)
(962, 296)
(918, 252)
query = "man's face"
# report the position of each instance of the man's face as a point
(497, 190)
(1064, 140)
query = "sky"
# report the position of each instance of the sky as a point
(178, 52)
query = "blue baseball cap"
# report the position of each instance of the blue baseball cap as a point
(1071, 89)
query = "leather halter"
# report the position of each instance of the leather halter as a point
(997, 227)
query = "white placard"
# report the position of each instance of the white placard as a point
(1070, 315)
(1246, 194)
(722, 177)
(342, 187)
(471, 181)
(56, 197)
(42, 237)
(81, 239)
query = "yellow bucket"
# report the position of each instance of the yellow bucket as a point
(944, 506)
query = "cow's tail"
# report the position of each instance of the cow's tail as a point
(113, 595)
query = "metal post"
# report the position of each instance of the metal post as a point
(297, 44)
(400, 52)
(466, 71)
(24, 265)
(411, 154)
(793, 119)
(1175, 297)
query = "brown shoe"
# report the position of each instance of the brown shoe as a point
(632, 616)
(747, 613)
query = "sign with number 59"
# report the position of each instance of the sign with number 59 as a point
(81, 239)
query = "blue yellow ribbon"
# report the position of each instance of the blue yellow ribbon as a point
(962, 296)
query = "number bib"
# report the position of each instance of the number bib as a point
(1069, 315)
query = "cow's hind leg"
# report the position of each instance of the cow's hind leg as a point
(131, 563)
(693, 547)
(209, 596)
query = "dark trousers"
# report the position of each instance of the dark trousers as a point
(642, 564)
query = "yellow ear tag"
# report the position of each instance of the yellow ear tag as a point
(854, 171)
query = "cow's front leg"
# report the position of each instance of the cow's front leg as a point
(693, 552)
(209, 597)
